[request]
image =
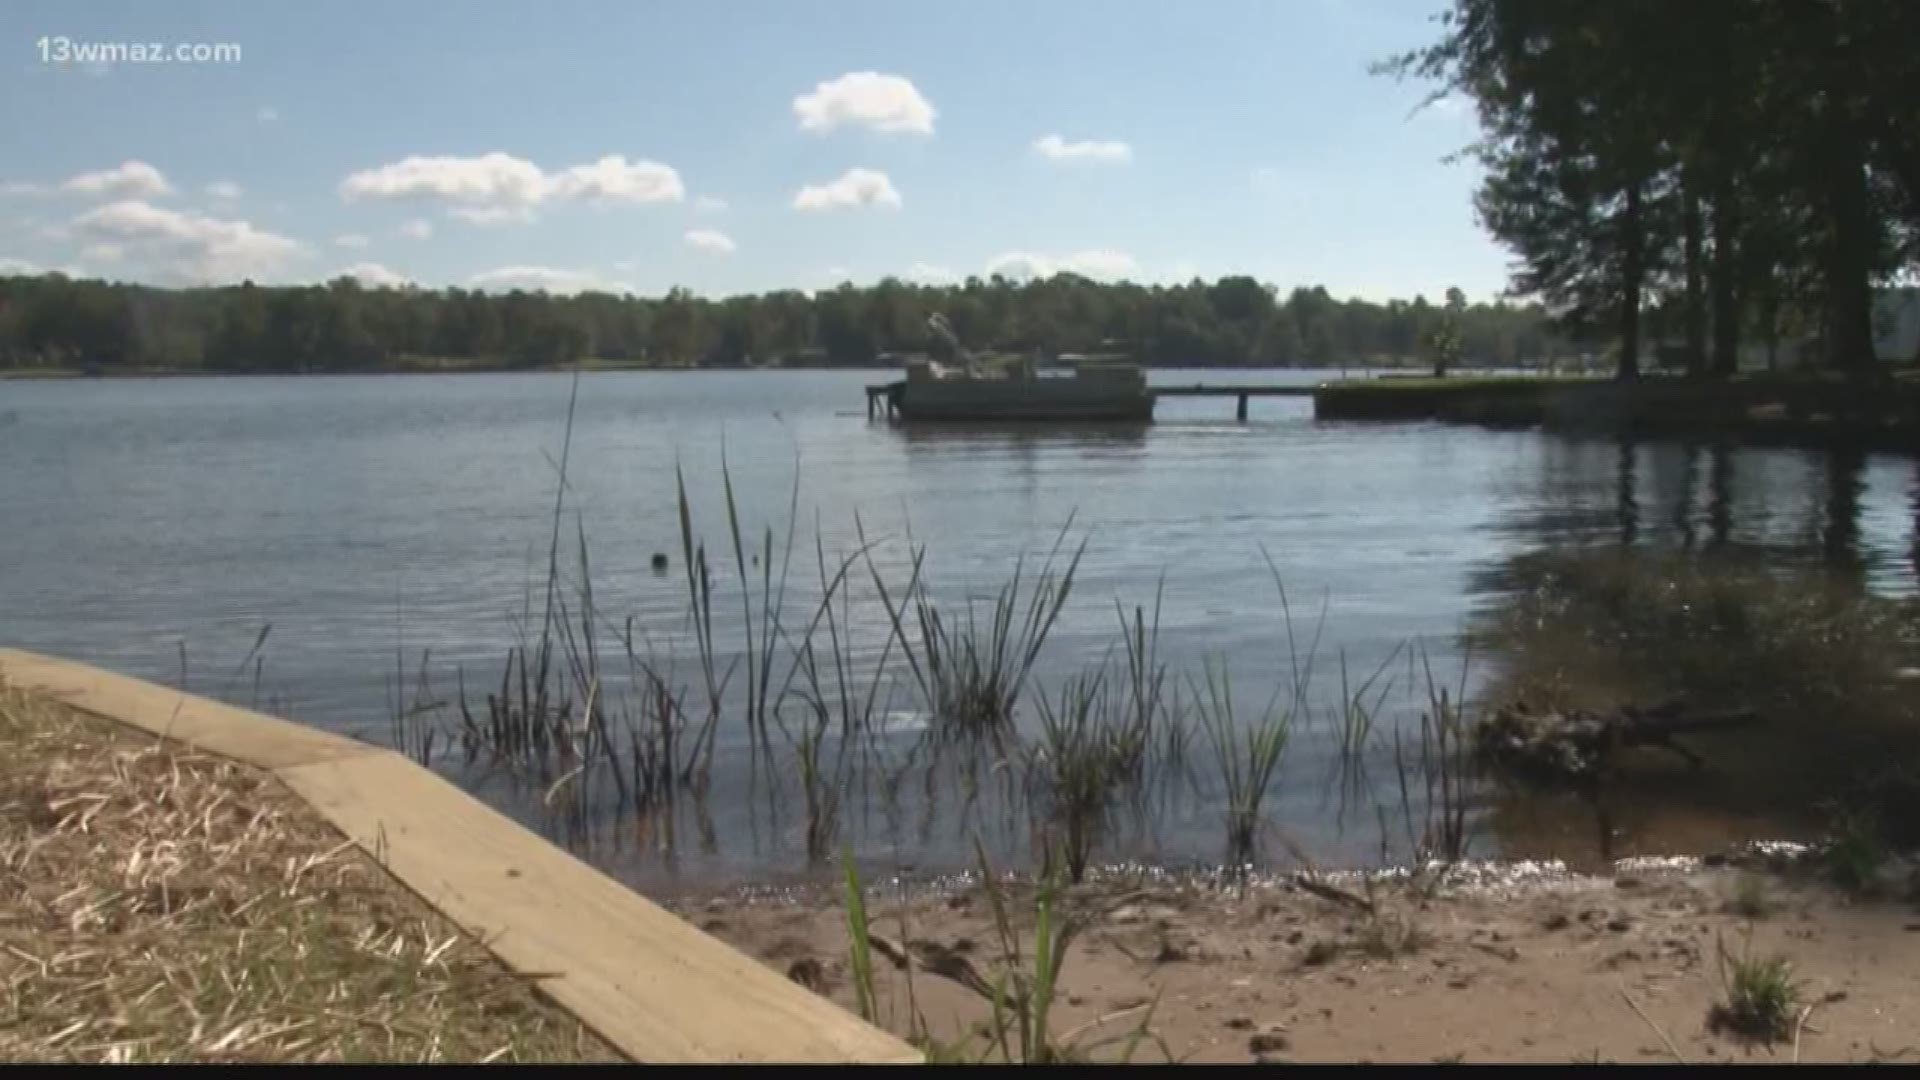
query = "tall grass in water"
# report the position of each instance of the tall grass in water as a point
(1084, 761)
(412, 728)
(567, 716)
(1247, 757)
(1358, 709)
(972, 673)
(1441, 763)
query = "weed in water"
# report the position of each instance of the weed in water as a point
(971, 674)
(1247, 758)
(1080, 767)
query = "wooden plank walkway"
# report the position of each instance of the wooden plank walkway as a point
(652, 986)
(1242, 393)
(1200, 390)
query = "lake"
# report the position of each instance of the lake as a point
(156, 526)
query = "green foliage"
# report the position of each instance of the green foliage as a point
(1724, 631)
(1628, 175)
(1855, 848)
(1761, 994)
(54, 322)
(1247, 756)
(971, 674)
(1083, 763)
(859, 941)
(1020, 994)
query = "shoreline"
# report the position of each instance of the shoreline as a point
(57, 374)
(1502, 962)
(1756, 410)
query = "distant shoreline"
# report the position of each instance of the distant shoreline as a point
(54, 374)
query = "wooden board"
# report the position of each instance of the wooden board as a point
(647, 982)
(262, 741)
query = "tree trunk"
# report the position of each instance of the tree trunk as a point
(1850, 237)
(1696, 311)
(1770, 312)
(1726, 307)
(1632, 270)
(1849, 267)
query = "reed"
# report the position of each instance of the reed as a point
(1436, 778)
(971, 673)
(1246, 756)
(1080, 767)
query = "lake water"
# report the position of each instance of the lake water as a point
(149, 523)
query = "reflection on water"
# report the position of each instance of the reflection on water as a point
(365, 517)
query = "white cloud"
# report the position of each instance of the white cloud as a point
(1099, 263)
(856, 187)
(375, 276)
(492, 215)
(546, 279)
(494, 179)
(836, 274)
(710, 240)
(17, 268)
(128, 180)
(497, 188)
(224, 190)
(1055, 148)
(417, 229)
(709, 204)
(351, 240)
(930, 274)
(868, 99)
(189, 246)
(267, 114)
(615, 179)
(102, 253)
(19, 187)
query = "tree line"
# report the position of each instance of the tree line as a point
(1749, 168)
(53, 321)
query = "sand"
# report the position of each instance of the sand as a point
(1556, 968)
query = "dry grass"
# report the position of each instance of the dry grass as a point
(158, 904)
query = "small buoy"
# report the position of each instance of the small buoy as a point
(659, 560)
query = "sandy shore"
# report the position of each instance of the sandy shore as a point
(1499, 966)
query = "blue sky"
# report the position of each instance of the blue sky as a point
(644, 145)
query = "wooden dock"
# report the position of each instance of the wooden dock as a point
(1243, 393)
(885, 397)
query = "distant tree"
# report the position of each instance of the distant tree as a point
(1444, 341)
(345, 326)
